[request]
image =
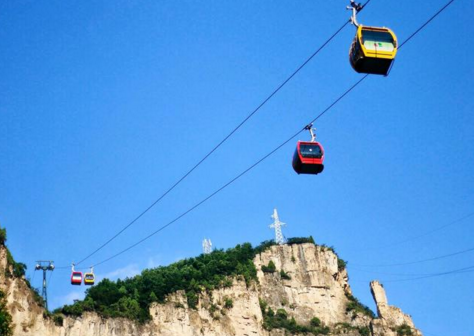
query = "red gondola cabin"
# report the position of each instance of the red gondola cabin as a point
(76, 278)
(308, 158)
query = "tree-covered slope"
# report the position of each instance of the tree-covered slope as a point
(132, 297)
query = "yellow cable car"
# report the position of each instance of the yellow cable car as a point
(89, 278)
(373, 50)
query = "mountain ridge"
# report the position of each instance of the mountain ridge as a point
(300, 288)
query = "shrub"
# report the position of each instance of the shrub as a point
(404, 330)
(341, 264)
(264, 246)
(19, 269)
(227, 283)
(153, 297)
(280, 320)
(3, 236)
(192, 299)
(228, 303)
(213, 308)
(270, 312)
(315, 322)
(281, 314)
(58, 320)
(285, 275)
(270, 268)
(364, 331)
(344, 328)
(5, 317)
(300, 240)
(355, 306)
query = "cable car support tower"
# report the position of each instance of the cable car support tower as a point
(45, 266)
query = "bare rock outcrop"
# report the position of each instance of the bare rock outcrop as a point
(307, 283)
(390, 318)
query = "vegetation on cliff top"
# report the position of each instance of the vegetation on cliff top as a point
(132, 297)
(18, 268)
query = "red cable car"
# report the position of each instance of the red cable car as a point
(309, 156)
(76, 277)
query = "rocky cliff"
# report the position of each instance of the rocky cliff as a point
(307, 283)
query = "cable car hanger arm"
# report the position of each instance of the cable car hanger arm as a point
(356, 8)
(311, 130)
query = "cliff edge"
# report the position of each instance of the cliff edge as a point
(305, 291)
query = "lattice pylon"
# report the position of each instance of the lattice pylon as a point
(277, 224)
(206, 246)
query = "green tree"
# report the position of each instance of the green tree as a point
(315, 322)
(3, 236)
(153, 297)
(285, 275)
(270, 268)
(404, 330)
(19, 269)
(5, 317)
(228, 303)
(129, 308)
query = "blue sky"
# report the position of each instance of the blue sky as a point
(103, 106)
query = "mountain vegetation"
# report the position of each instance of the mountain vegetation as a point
(18, 268)
(6, 328)
(5, 317)
(132, 297)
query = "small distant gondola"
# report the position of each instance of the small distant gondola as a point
(89, 278)
(76, 277)
(374, 49)
(309, 156)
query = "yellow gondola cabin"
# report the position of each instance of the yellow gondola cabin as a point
(373, 50)
(89, 277)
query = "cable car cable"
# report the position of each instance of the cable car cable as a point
(468, 269)
(259, 161)
(235, 178)
(420, 235)
(457, 271)
(426, 23)
(220, 143)
(384, 273)
(419, 261)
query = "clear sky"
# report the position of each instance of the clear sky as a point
(104, 105)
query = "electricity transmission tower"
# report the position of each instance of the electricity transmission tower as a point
(44, 266)
(207, 246)
(277, 226)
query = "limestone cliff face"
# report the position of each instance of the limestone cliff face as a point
(315, 288)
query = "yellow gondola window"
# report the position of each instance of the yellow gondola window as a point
(378, 41)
